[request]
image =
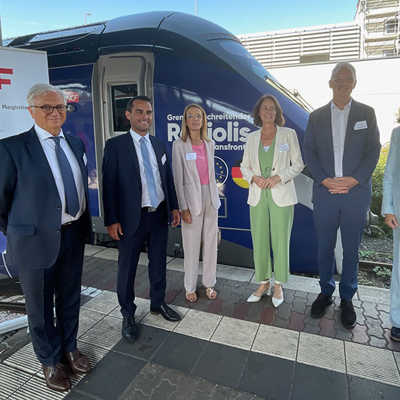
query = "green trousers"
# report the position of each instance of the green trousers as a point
(271, 225)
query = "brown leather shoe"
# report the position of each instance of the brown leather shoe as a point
(78, 362)
(56, 377)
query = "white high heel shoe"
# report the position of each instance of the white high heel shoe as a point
(253, 298)
(278, 301)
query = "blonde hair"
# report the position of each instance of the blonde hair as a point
(185, 129)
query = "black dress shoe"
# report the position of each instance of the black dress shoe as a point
(395, 334)
(167, 312)
(321, 303)
(348, 315)
(129, 329)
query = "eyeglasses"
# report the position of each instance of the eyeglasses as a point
(194, 116)
(48, 109)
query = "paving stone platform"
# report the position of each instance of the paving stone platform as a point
(222, 349)
(235, 284)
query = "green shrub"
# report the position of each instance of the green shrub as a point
(377, 188)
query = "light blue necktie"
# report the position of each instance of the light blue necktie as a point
(71, 194)
(151, 182)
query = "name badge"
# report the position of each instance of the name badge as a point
(360, 125)
(191, 156)
(163, 159)
(284, 147)
(266, 148)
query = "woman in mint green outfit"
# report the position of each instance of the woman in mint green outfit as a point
(271, 160)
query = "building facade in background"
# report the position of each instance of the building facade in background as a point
(379, 22)
(302, 58)
(373, 33)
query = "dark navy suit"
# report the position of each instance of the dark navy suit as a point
(48, 257)
(347, 211)
(122, 201)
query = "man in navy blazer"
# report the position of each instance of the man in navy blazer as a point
(341, 150)
(138, 197)
(44, 215)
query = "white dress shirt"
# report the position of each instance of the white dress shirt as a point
(49, 148)
(154, 166)
(339, 120)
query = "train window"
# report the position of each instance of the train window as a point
(120, 95)
(243, 56)
(294, 96)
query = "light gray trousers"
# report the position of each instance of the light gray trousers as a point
(395, 282)
(202, 231)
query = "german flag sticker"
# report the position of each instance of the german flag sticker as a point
(238, 177)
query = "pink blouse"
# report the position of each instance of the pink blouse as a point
(202, 163)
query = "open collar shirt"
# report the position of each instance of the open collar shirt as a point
(339, 119)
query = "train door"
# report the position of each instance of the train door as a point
(116, 79)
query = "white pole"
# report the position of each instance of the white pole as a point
(88, 14)
(1, 37)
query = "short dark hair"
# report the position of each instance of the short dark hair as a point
(130, 102)
(279, 118)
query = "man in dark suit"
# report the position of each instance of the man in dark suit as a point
(138, 196)
(341, 150)
(44, 215)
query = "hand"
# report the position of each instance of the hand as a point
(391, 221)
(176, 218)
(272, 181)
(339, 185)
(186, 216)
(115, 231)
(332, 184)
(259, 181)
(347, 181)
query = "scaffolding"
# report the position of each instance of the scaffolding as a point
(373, 33)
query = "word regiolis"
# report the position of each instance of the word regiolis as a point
(229, 131)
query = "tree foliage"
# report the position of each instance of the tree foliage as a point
(377, 188)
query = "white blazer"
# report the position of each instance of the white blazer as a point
(287, 163)
(187, 179)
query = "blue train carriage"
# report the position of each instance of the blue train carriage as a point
(175, 59)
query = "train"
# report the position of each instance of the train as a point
(175, 59)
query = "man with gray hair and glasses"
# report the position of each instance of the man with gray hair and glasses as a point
(44, 215)
(341, 150)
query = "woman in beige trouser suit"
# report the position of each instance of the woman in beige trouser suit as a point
(196, 189)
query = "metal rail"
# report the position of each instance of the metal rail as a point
(18, 308)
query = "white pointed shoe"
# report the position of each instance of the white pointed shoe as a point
(277, 302)
(253, 298)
